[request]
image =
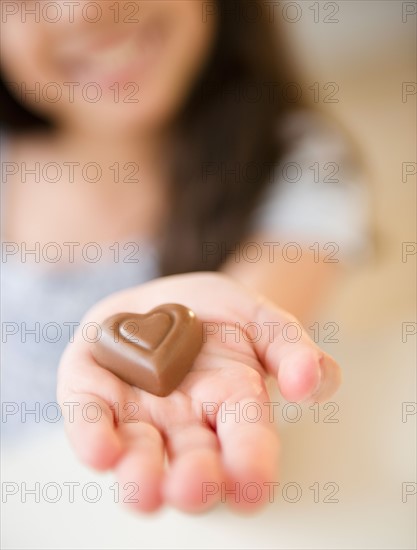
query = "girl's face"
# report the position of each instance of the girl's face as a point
(105, 66)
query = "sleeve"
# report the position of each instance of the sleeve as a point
(318, 196)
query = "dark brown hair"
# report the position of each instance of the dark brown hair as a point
(226, 138)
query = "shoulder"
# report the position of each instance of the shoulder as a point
(311, 133)
(318, 190)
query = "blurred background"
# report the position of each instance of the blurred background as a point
(371, 55)
(368, 48)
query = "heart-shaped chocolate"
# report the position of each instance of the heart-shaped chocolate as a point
(153, 351)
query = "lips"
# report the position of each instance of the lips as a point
(116, 56)
(123, 57)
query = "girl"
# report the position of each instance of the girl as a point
(149, 149)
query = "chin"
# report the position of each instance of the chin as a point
(122, 120)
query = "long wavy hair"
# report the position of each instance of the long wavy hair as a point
(226, 138)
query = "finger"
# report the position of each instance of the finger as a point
(195, 467)
(331, 377)
(303, 370)
(140, 471)
(250, 452)
(89, 424)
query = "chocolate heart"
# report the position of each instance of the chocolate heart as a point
(153, 351)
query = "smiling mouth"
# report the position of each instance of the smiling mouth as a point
(110, 60)
(117, 56)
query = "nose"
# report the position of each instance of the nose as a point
(78, 22)
(80, 15)
(93, 13)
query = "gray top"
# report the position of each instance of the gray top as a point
(41, 306)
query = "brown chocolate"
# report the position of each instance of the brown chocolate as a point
(153, 351)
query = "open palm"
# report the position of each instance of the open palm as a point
(216, 428)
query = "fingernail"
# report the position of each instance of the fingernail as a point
(318, 387)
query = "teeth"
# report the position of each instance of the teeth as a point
(116, 56)
(137, 50)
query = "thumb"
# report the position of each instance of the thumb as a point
(302, 369)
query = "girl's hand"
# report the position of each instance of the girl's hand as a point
(216, 427)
